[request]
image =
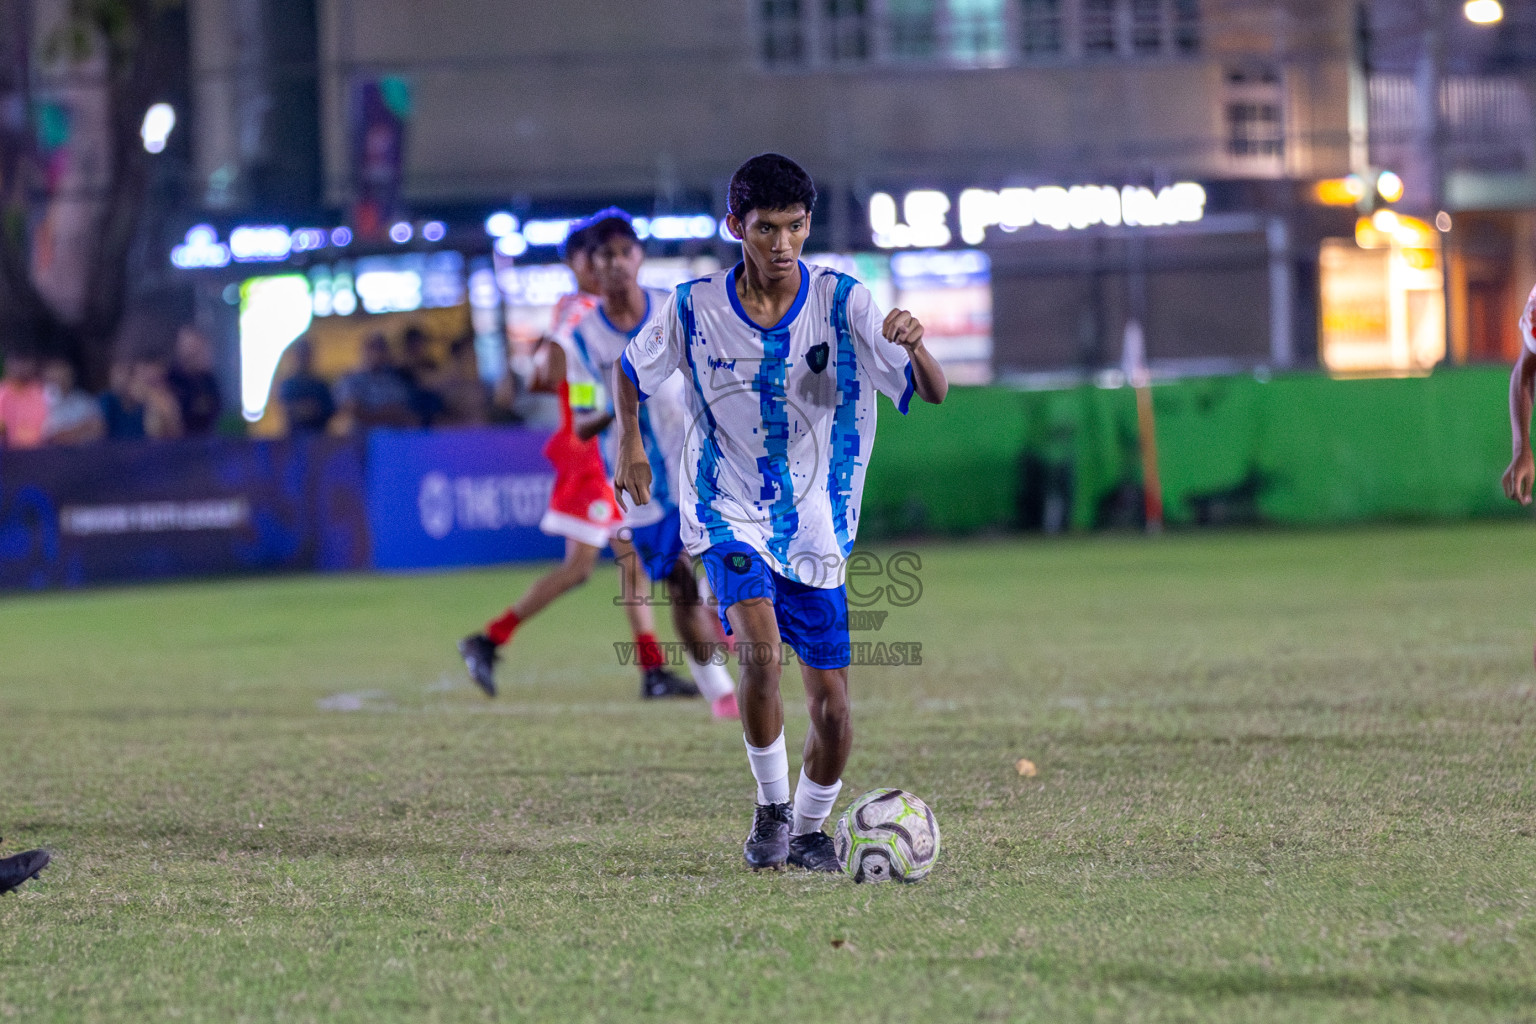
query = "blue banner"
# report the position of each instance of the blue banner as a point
(139, 510)
(458, 497)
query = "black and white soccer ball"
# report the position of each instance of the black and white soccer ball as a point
(887, 834)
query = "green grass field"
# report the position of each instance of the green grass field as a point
(1281, 777)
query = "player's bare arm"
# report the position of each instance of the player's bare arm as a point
(1522, 388)
(632, 475)
(548, 365)
(589, 425)
(928, 380)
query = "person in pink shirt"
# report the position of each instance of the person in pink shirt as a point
(23, 403)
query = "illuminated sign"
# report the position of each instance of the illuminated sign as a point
(201, 248)
(273, 312)
(923, 220)
(260, 243)
(513, 237)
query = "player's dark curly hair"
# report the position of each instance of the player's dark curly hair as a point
(610, 227)
(769, 182)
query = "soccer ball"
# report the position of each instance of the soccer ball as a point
(886, 834)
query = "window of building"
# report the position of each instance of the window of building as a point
(1255, 129)
(1186, 26)
(1146, 26)
(978, 31)
(1098, 17)
(846, 30)
(1040, 27)
(913, 26)
(783, 37)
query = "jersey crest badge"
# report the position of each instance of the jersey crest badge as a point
(816, 358)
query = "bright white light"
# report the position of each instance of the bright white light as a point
(1483, 12)
(400, 232)
(500, 224)
(1384, 221)
(389, 291)
(343, 298)
(260, 243)
(201, 248)
(927, 216)
(511, 245)
(434, 230)
(1389, 186)
(1443, 221)
(273, 312)
(156, 130)
(546, 232)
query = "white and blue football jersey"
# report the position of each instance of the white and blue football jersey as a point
(598, 344)
(780, 421)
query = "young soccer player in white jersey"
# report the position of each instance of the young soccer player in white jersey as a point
(581, 504)
(781, 362)
(624, 310)
(1522, 393)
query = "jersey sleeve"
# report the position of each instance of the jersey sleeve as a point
(884, 362)
(655, 353)
(1528, 322)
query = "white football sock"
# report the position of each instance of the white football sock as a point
(770, 767)
(713, 681)
(813, 802)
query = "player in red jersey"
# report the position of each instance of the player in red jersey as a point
(581, 509)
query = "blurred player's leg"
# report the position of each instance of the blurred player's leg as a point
(656, 680)
(762, 715)
(698, 627)
(827, 744)
(480, 650)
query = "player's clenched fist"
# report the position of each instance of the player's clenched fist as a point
(633, 475)
(902, 328)
(1518, 477)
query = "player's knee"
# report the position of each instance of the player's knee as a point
(830, 715)
(760, 665)
(578, 572)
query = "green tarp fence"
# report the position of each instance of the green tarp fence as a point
(1299, 449)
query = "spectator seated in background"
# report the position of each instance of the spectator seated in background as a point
(23, 403)
(191, 380)
(306, 397)
(74, 415)
(375, 395)
(466, 399)
(419, 372)
(139, 403)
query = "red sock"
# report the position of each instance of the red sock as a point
(501, 630)
(649, 651)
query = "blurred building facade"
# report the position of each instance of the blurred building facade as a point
(1114, 160)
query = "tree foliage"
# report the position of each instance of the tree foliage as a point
(111, 46)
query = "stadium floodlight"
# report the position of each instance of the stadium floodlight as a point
(1483, 12)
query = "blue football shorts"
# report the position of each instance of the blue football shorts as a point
(659, 545)
(812, 620)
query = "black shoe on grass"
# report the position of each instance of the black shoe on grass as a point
(16, 870)
(768, 844)
(658, 684)
(480, 658)
(814, 852)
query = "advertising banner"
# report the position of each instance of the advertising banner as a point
(142, 510)
(458, 497)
